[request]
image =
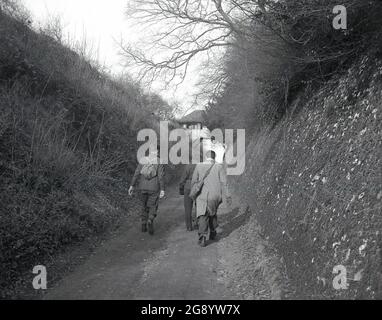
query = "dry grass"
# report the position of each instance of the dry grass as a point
(67, 141)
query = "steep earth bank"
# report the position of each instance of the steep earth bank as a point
(313, 183)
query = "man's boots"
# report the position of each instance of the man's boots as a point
(202, 242)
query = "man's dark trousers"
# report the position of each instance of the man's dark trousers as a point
(208, 222)
(188, 204)
(149, 201)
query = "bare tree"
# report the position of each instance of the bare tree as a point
(184, 30)
(285, 43)
(15, 9)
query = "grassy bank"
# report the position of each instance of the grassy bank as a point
(67, 145)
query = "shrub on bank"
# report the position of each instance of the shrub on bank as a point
(67, 145)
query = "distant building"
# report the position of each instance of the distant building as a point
(195, 124)
(195, 120)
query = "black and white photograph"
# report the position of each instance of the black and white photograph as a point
(193, 156)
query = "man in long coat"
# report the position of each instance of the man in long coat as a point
(211, 196)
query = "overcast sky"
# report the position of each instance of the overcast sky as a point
(101, 22)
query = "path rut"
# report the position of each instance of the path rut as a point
(135, 265)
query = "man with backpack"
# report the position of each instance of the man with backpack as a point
(150, 173)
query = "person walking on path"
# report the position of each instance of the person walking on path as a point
(184, 190)
(214, 188)
(150, 173)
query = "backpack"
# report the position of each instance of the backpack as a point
(149, 171)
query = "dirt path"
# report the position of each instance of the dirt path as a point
(135, 265)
